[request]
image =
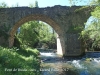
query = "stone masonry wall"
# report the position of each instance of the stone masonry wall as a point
(61, 18)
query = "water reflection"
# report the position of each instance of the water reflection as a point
(86, 65)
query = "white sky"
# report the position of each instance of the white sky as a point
(44, 3)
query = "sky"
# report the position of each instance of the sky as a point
(44, 3)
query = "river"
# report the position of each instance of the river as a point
(53, 64)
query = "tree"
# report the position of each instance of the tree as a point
(34, 33)
(36, 4)
(75, 2)
(91, 35)
(3, 5)
(28, 33)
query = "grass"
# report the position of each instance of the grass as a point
(15, 61)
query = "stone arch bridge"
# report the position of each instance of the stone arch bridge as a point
(66, 21)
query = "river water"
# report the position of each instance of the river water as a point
(53, 64)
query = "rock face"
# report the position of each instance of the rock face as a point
(65, 21)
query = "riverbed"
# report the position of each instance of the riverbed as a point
(53, 64)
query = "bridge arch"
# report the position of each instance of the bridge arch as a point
(52, 23)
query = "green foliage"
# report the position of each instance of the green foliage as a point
(34, 5)
(35, 32)
(47, 36)
(3, 5)
(46, 33)
(27, 51)
(75, 29)
(14, 59)
(96, 12)
(77, 2)
(91, 34)
(28, 33)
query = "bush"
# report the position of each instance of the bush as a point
(13, 63)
